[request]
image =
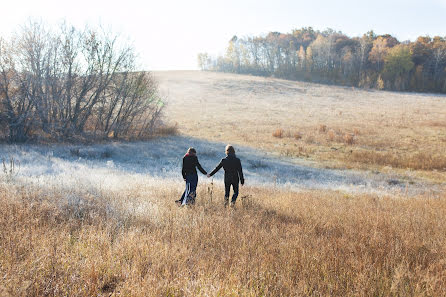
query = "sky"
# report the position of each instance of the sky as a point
(168, 34)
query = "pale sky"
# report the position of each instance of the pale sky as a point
(169, 34)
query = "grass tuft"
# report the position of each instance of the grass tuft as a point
(278, 133)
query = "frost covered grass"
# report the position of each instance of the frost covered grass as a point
(106, 166)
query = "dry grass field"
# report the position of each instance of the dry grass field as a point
(339, 127)
(274, 243)
(100, 220)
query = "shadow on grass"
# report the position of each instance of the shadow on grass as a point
(162, 158)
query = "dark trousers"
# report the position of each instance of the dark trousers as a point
(228, 184)
(190, 193)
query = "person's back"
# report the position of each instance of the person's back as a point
(190, 163)
(233, 173)
(189, 172)
(232, 166)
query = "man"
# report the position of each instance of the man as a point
(233, 173)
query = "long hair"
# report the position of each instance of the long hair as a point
(229, 150)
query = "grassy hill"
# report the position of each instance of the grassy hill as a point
(339, 127)
(100, 220)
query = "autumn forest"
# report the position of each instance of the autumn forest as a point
(370, 61)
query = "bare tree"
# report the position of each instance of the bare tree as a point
(69, 82)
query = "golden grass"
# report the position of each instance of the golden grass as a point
(247, 110)
(278, 133)
(273, 244)
(419, 160)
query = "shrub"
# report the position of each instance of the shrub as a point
(322, 128)
(309, 139)
(278, 133)
(167, 130)
(349, 138)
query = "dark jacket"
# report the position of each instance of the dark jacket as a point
(190, 163)
(233, 169)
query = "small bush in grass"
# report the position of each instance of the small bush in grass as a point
(278, 133)
(297, 136)
(322, 128)
(309, 139)
(356, 131)
(167, 130)
(331, 135)
(349, 138)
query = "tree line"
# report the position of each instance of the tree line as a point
(370, 61)
(67, 83)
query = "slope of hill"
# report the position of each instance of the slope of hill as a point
(337, 126)
(100, 220)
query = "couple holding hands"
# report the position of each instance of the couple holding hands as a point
(233, 175)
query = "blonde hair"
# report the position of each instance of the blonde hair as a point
(229, 149)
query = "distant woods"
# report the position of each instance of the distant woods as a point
(370, 61)
(68, 83)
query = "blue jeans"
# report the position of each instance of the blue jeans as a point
(190, 193)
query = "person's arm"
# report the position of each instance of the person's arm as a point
(200, 168)
(183, 172)
(220, 165)
(240, 172)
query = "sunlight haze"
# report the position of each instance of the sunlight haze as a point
(170, 34)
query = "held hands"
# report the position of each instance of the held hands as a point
(208, 175)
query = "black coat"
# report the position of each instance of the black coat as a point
(190, 163)
(233, 169)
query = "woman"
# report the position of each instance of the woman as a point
(189, 172)
(233, 173)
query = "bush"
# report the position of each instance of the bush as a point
(67, 83)
(278, 133)
(349, 139)
(322, 128)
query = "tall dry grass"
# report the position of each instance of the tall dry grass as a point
(273, 244)
(418, 160)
